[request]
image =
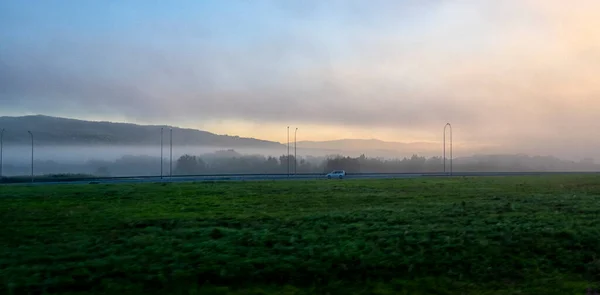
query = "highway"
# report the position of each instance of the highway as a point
(263, 177)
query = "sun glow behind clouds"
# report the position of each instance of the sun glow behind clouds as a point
(522, 74)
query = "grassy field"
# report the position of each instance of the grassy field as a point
(494, 235)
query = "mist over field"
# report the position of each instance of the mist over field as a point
(74, 154)
(80, 154)
(187, 160)
(18, 157)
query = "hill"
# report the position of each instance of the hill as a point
(62, 131)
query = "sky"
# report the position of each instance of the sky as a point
(513, 73)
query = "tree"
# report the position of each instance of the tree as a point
(283, 161)
(350, 165)
(188, 165)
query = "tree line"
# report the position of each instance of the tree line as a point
(189, 165)
(230, 162)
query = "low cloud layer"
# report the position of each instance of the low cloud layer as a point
(514, 73)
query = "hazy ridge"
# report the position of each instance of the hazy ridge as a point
(63, 131)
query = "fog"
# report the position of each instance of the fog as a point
(21, 154)
(81, 154)
(103, 161)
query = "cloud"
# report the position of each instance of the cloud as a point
(502, 71)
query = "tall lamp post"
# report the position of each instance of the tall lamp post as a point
(161, 152)
(445, 127)
(171, 155)
(1, 150)
(288, 155)
(295, 153)
(31, 134)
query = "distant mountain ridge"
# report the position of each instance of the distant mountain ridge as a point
(62, 131)
(58, 131)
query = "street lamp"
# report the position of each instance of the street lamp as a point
(31, 134)
(288, 156)
(171, 156)
(295, 154)
(446, 126)
(1, 147)
(161, 152)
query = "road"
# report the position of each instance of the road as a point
(256, 177)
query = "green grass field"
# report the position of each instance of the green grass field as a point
(512, 235)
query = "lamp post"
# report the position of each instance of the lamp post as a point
(446, 126)
(295, 153)
(1, 150)
(288, 155)
(171, 155)
(161, 152)
(31, 134)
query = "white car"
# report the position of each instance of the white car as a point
(336, 174)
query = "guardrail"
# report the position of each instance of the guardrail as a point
(249, 176)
